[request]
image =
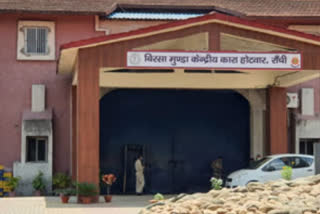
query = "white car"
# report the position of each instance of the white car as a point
(269, 168)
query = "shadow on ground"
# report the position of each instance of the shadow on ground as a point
(117, 202)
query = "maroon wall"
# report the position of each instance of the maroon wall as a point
(315, 84)
(17, 77)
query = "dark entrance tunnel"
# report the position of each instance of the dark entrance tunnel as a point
(180, 132)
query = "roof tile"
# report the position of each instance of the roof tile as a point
(296, 8)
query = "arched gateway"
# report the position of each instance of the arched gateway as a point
(209, 52)
(180, 133)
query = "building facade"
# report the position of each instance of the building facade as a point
(58, 117)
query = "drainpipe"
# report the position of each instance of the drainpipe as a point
(316, 149)
(97, 26)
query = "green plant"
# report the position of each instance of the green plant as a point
(158, 197)
(286, 172)
(12, 183)
(216, 183)
(66, 192)
(61, 181)
(86, 189)
(38, 182)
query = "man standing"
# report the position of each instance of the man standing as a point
(139, 175)
(216, 166)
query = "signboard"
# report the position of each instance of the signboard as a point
(214, 60)
(292, 100)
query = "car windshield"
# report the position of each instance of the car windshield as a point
(256, 164)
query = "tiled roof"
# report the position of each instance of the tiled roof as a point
(69, 51)
(210, 17)
(57, 6)
(295, 8)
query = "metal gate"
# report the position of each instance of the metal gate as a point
(181, 133)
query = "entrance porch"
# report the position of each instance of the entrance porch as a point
(100, 65)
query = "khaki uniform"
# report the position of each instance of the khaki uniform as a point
(139, 176)
(216, 166)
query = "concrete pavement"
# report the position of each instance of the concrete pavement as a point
(52, 205)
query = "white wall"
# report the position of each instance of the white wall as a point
(28, 170)
(307, 129)
(257, 100)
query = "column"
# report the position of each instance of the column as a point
(257, 133)
(74, 132)
(88, 116)
(257, 100)
(277, 120)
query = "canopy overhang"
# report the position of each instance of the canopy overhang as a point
(248, 79)
(213, 32)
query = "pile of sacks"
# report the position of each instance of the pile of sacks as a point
(300, 196)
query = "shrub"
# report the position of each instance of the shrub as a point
(66, 191)
(38, 182)
(216, 183)
(86, 189)
(286, 172)
(158, 197)
(61, 181)
(12, 183)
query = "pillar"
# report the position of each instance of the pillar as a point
(257, 101)
(257, 133)
(74, 133)
(277, 120)
(88, 116)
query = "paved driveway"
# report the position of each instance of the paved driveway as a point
(52, 205)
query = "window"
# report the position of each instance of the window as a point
(306, 146)
(37, 149)
(294, 162)
(308, 160)
(36, 40)
(287, 161)
(298, 162)
(258, 163)
(276, 164)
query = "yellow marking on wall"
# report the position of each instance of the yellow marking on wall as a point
(186, 80)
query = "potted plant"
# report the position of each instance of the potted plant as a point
(63, 186)
(38, 184)
(108, 180)
(61, 181)
(86, 192)
(65, 194)
(12, 184)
